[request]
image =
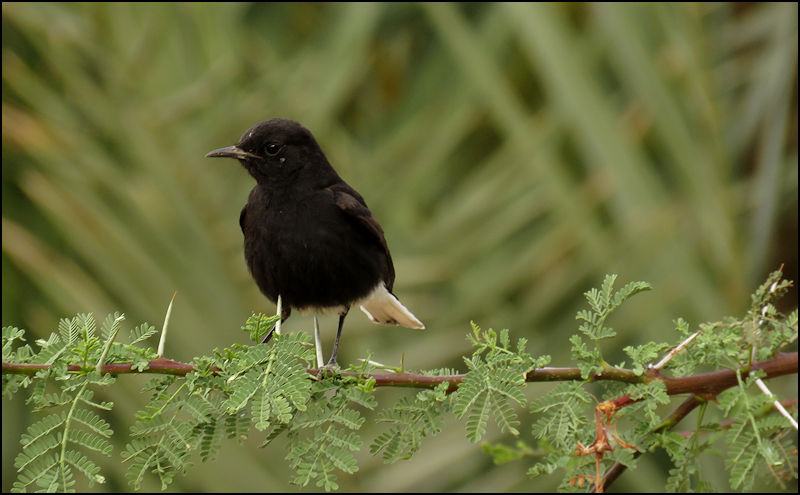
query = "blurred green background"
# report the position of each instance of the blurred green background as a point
(514, 154)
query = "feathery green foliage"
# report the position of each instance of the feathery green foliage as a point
(494, 382)
(562, 415)
(411, 420)
(322, 438)
(54, 447)
(258, 325)
(581, 428)
(602, 302)
(757, 444)
(161, 438)
(263, 385)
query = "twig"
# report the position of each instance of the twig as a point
(673, 419)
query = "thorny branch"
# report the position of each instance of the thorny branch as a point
(704, 384)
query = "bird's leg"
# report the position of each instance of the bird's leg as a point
(317, 341)
(332, 361)
(278, 324)
(285, 312)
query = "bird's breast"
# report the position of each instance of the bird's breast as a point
(310, 253)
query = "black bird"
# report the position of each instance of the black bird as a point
(309, 237)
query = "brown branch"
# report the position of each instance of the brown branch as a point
(711, 384)
(702, 386)
(705, 384)
(673, 419)
(158, 366)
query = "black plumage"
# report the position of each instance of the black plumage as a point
(308, 236)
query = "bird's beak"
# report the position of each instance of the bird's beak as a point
(231, 152)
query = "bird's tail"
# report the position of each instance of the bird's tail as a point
(383, 307)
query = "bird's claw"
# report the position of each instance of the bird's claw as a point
(330, 369)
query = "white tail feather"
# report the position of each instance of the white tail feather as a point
(383, 307)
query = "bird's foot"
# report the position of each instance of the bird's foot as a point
(330, 369)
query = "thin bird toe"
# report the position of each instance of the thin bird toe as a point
(330, 369)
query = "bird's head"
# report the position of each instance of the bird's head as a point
(275, 149)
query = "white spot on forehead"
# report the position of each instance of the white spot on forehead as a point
(249, 134)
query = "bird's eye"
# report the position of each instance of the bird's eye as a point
(273, 149)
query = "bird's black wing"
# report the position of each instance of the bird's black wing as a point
(352, 204)
(241, 217)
